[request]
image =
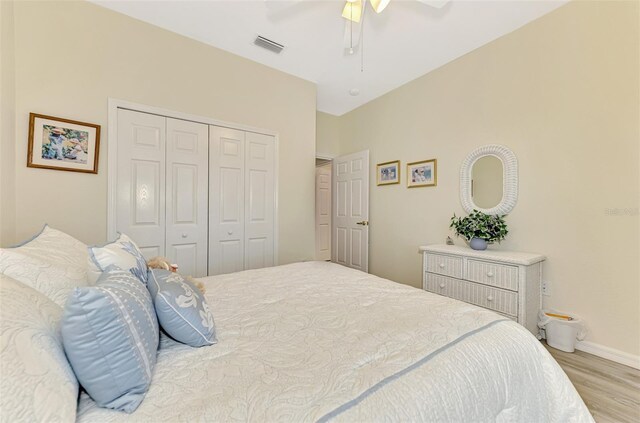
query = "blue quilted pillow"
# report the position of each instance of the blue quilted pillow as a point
(182, 310)
(110, 335)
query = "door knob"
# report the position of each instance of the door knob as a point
(184, 235)
(489, 298)
(229, 232)
(441, 265)
(363, 223)
(490, 274)
(442, 285)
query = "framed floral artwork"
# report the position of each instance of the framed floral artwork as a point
(63, 144)
(422, 174)
(388, 173)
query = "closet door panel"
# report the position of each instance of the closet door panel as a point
(231, 256)
(187, 191)
(259, 254)
(186, 256)
(230, 199)
(226, 200)
(145, 177)
(259, 200)
(140, 195)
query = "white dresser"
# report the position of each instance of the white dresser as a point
(507, 282)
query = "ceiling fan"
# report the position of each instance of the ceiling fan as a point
(353, 12)
(353, 9)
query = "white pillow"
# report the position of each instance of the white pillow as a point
(122, 253)
(52, 262)
(37, 383)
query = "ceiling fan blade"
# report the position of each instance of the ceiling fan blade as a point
(379, 5)
(353, 10)
(438, 4)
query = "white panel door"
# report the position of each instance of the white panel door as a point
(186, 195)
(259, 200)
(351, 210)
(140, 196)
(323, 212)
(226, 200)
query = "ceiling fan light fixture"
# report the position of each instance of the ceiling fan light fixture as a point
(379, 5)
(353, 10)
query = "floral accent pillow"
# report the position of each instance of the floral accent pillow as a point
(182, 310)
(122, 253)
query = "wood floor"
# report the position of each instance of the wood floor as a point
(610, 390)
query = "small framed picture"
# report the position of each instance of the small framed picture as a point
(422, 174)
(63, 144)
(388, 173)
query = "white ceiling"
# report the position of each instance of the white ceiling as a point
(405, 41)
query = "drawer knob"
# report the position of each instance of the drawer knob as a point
(490, 274)
(441, 265)
(489, 298)
(442, 285)
(184, 235)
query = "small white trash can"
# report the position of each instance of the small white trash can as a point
(561, 332)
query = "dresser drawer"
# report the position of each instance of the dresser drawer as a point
(444, 265)
(494, 274)
(440, 284)
(500, 300)
(496, 299)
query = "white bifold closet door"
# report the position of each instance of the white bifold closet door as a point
(259, 201)
(186, 195)
(140, 197)
(241, 200)
(226, 200)
(162, 187)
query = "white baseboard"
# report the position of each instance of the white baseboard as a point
(618, 356)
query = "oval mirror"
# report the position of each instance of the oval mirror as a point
(486, 182)
(489, 180)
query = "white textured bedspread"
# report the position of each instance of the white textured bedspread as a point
(317, 341)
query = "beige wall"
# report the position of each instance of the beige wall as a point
(72, 56)
(562, 93)
(327, 134)
(7, 125)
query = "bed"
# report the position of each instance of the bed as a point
(317, 341)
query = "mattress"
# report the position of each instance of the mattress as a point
(317, 341)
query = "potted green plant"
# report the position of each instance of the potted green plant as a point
(480, 229)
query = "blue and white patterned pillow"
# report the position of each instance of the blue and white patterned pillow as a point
(122, 253)
(110, 335)
(182, 310)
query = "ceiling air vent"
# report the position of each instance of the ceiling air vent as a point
(268, 44)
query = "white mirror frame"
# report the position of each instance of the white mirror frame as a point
(509, 179)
